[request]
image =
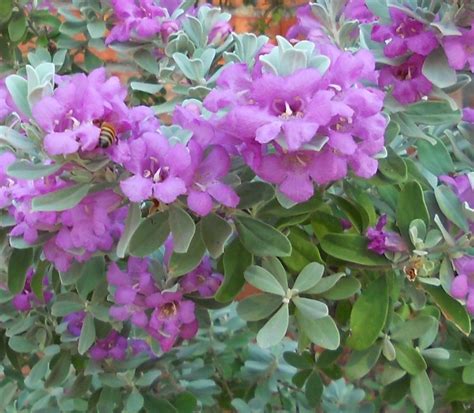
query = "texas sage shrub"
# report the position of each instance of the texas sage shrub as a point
(242, 223)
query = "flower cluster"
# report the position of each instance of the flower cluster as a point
(142, 19)
(381, 241)
(27, 299)
(166, 315)
(304, 127)
(117, 347)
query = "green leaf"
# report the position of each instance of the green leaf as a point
(409, 359)
(96, 29)
(275, 267)
(326, 283)
(23, 169)
(459, 392)
(215, 232)
(236, 260)
(322, 332)
(18, 88)
(468, 374)
(351, 211)
(134, 402)
(6, 7)
(185, 402)
(351, 248)
(150, 88)
(303, 250)
(261, 239)
(87, 337)
(369, 314)
(300, 361)
(92, 273)
(257, 307)
(182, 227)
(309, 308)
(393, 167)
(18, 265)
(422, 391)
(66, 303)
(61, 200)
(251, 193)
(263, 280)
(60, 371)
(344, 289)
(361, 362)
(414, 328)
(411, 205)
(437, 70)
(149, 235)
(314, 389)
(435, 158)
(433, 112)
(451, 207)
(309, 277)
(451, 309)
(181, 264)
(146, 61)
(131, 225)
(17, 27)
(275, 329)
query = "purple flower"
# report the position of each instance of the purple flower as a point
(113, 346)
(463, 187)
(403, 35)
(74, 322)
(381, 241)
(460, 50)
(468, 115)
(136, 18)
(408, 82)
(71, 116)
(140, 346)
(219, 33)
(462, 286)
(202, 279)
(157, 168)
(132, 289)
(205, 184)
(171, 319)
(358, 10)
(6, 183)
(307, 27)
(27, 299)
(168, 28)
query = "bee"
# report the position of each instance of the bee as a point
(107, 136)
(154, 207)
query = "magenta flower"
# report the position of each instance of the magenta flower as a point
(6, 183)
(27, 299)
(464, 189)
(408, 82)
(114, 346)
(460, 50)
(172, 318)
(307, 27)
(205, 184)
(157, 169)
(74, 322)
(403, 35)
(358, 10)
(468, 115)
(381, 241)
(136, 19)
(202, 279)
(71, 116)
(219, 33)
(132, 289)
(462, 286)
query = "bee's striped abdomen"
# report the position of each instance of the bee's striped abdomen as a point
(107, 136)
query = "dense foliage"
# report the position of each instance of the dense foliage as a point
(243, 224)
